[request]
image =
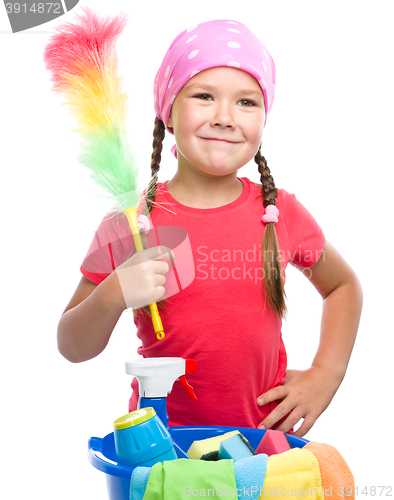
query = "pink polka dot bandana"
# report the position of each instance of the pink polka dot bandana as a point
(209, 45)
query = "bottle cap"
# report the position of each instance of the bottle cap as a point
(134, 418)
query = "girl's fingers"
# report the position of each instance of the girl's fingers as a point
(306, 426)
(273, 395)
(163, 253)
(294, 417)
(280, 411)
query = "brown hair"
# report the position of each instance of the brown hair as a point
(272, 271)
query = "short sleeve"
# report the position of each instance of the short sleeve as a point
(306, 238)
(111, 245)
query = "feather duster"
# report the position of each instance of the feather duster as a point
(83, 62)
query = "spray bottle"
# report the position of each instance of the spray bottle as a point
(156, 377)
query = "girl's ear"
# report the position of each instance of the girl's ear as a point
(169, 123)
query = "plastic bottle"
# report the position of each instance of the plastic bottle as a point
(142, 440)
(156, 377)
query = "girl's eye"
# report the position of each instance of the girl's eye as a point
(248, 103)
(245, 102)
(202, 96)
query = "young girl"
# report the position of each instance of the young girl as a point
(214, 91)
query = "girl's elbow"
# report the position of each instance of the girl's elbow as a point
(355, 283)
(359, 291)
(68, 353)
(66, 347)
(354, 292)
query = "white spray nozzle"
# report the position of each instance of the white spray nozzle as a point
(156, 376)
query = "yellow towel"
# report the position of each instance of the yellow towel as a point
(337, 479)
(294, 475)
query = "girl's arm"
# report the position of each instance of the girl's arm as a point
(88, 320)
(306, 394)
(94, 310)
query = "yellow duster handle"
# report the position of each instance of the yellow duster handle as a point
(131, 214)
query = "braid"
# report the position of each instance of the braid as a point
(268, 185)
(158, 136)
(272, 271)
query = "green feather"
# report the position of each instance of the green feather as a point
(112, 166)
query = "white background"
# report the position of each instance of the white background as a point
(328, 139)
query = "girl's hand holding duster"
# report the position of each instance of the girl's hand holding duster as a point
(141, 278)
(92, 313)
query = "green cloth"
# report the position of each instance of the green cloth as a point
(183, 478)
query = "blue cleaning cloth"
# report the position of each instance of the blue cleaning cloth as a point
(138, 482)
(250, 476)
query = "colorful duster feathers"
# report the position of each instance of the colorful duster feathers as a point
(83, 62)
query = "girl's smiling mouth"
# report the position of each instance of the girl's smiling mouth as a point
(217, 140)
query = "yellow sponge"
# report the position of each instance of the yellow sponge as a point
(204, 447)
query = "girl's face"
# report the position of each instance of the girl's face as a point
(218, 120)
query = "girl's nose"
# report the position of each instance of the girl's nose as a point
(222, 115)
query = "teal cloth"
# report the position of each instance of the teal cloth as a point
(138, 482)
(182, 478)
(250, 475)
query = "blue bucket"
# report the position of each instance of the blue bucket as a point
(102, 454)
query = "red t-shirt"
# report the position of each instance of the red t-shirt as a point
(219, 319)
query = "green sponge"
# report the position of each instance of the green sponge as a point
(208, 449)
(236, 447)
